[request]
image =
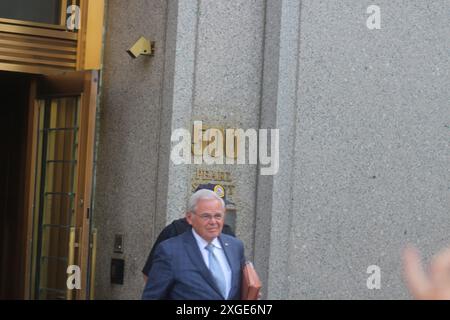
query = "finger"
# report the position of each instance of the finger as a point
(440, 269)
(416, 278)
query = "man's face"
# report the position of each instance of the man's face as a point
(208, 219)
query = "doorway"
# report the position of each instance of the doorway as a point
(46, 161)
(14, 97)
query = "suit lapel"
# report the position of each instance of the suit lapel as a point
(197, 259)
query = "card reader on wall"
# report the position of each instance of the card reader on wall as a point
(118, 243)
(117, 271)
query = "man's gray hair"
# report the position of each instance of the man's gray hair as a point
(203, 194)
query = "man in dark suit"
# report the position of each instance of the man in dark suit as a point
(180, 226)
(202, 263)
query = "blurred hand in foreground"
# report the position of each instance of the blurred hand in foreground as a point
(433, 284)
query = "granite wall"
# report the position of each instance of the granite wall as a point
(128, 143)
(363, 117)
(370, 154)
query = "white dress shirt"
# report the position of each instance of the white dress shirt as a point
(220, 255)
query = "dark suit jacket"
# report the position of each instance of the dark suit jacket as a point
(180, 273)
(174, 229)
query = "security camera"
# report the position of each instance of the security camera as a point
(141, 47)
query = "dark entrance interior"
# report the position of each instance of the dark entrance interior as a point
(14, 102)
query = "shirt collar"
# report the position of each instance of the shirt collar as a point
(202, 243)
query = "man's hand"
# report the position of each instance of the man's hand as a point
(434, 285)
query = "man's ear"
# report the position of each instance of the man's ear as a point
(189, 217)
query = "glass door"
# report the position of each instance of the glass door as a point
(65, 127)
(56, 189)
